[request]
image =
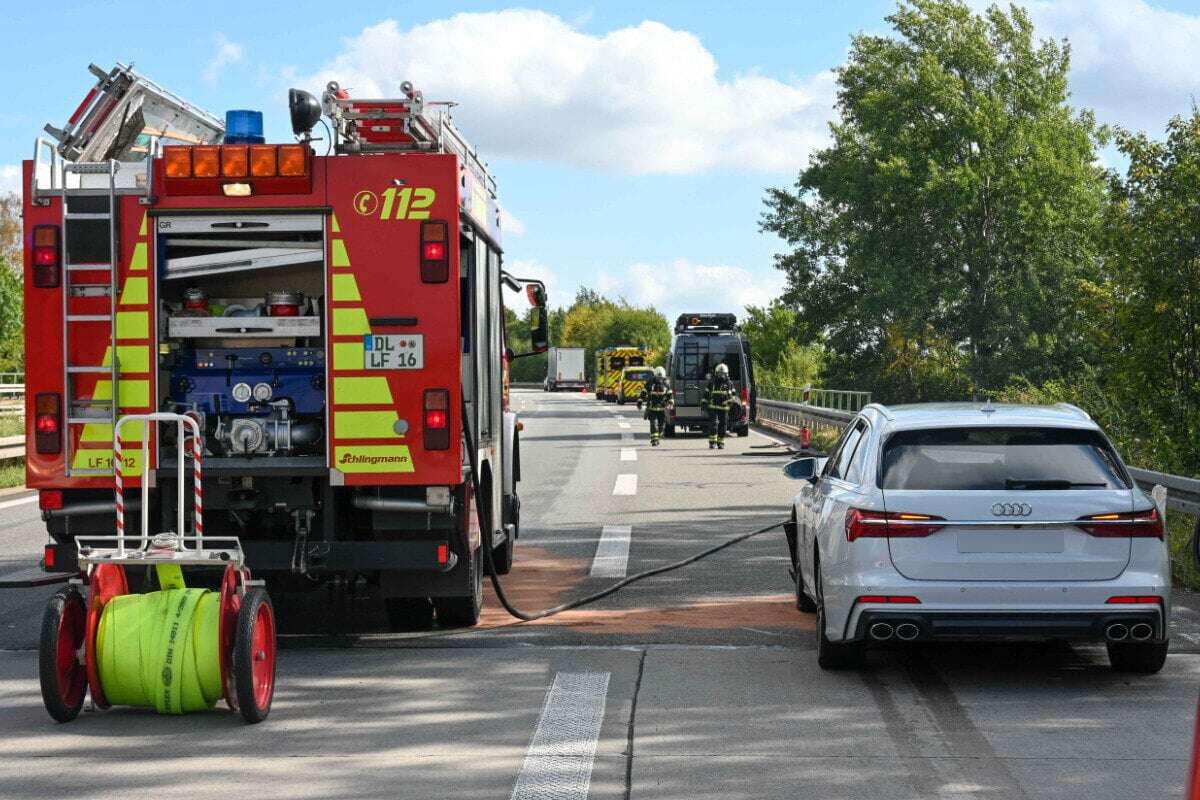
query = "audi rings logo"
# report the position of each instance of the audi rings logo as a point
(1012, 509)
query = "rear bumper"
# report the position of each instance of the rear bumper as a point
(950, 625)
(318, 556)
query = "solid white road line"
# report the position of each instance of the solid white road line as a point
(626, 484)
(628, 454)
(560, 757)
(20, 501)
(612, 553)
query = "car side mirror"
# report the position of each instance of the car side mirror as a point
(801, 469)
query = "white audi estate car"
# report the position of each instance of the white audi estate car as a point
(952, 521)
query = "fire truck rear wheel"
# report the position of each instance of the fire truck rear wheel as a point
(463, 611)
(409, 614)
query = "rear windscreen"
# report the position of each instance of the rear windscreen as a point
(643, 375)
(1011, 459)
(695, 361)
(636, 361)
(616, 362)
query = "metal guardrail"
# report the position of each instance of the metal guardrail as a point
(835, 399)
(1183, 493)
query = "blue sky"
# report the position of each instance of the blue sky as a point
(632, 142)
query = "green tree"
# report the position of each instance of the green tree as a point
(772, 331)
(955, 211)
(12, 332)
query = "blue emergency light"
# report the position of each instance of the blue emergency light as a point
(244, 127)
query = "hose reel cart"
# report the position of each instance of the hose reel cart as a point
(177, 649)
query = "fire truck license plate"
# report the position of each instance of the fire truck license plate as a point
(394, 351)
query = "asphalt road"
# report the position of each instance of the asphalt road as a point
(698, 683)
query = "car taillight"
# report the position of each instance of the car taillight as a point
(49, 556)
(1134, 599)
(50, 499)
(745, 396)
(47, 257)
(47, 423)
(436, 413)
(901, 599)
(435, 252)
(1139, 524)
(862, 524)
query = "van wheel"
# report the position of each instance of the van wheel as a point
(1142, 658)
(463, 611)
(833, 655)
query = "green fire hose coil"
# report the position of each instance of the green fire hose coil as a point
(162, 650)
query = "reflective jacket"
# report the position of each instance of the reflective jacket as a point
(718, 394)
(657, 395)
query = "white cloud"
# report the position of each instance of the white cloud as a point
(224, 54)
(10, 178)
(641, 99)
(682, 285)
(532, 268)
(510, 223)
(1133, 63)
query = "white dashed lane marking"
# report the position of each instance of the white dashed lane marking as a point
(20, 501)
(559, 761)
(626, 484)
(612, 553)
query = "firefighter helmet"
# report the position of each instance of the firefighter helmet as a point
(659, 372)
(722, 370)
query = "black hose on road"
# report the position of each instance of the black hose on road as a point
(529, 616)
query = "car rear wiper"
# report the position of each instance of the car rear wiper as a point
(1049, 484)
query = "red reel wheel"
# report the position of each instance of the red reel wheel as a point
(254, 656)
(63, 678)
(106, 582)
(232, 586)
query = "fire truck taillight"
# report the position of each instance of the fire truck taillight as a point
(47, 256)
(436, 416)
(262, 160)
(47, 424)
(177, 161)
(206, 161)
(293, 160)
(435, 252)
(235, 161)
(50, 499)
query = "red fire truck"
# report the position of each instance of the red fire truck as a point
(330, 320)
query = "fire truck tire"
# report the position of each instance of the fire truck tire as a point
(463, 611)
(409, 614)
(63, 678)
(254, 656)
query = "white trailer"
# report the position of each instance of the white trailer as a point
(565, 369)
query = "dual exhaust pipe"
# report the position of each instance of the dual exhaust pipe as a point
(904, 631)
(1137, 632)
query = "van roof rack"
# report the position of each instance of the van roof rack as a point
(706, 323)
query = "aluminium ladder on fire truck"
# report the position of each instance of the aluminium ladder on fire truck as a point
(399, 124)
(83, 205)
(123, 111)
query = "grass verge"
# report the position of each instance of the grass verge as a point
(12, 473)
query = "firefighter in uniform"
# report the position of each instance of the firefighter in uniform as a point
(718, 397)
(658, 399)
